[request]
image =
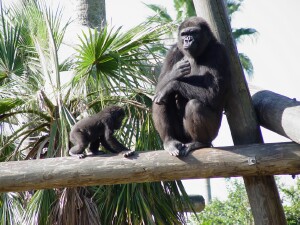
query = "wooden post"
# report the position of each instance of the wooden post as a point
(277, 113)
(262, 191)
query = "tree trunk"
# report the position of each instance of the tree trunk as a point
(208, 190)
(262, 191)
(152, 166)
(91, 13)
(277, 113)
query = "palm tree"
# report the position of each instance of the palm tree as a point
(186, 8)
(111, 67)
(240, 33)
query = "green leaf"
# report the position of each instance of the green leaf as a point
(247, 64)
(240, 33)
(7, 104)
(162, 14)
(39, 208)
(11, 208)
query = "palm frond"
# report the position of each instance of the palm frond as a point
(6, 104)
(247, 64)
(115, 58)
(179, 7)
(241, 33)
(10, 59)
(162, 15)
(11, 208)
(74, 206)
(39, 208)
(136, 204)
(184, 9)
(233, 6)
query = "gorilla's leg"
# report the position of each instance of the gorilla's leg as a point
(107, 146)
(80, 142)
(94, 147)
(201, 124)
(169, 127)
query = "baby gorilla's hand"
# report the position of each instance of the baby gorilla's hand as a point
(128, 153)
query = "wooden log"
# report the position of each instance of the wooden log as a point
(262, 191)
(198, 203)
(245, 160)
(277, 113)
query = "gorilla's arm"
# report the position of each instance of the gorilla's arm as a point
(186, 87)
(175, 66)
(204, 85)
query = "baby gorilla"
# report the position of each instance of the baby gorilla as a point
(99, 128)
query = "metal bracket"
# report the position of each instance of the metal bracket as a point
(251, 160)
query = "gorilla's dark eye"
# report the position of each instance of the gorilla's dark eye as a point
(184, 34)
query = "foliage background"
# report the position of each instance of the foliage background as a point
(236, 209)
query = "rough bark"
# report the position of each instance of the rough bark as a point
(262, 191)
(245, 160)
(91, 13)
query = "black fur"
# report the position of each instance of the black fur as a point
(191, 91)
(98, 129)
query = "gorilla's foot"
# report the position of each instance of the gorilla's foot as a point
(95, 153)
(174, 147)
(129, 153)
(193, 146)
(80, 155)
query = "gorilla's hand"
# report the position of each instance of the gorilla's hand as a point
(161, 96)
(181, 68)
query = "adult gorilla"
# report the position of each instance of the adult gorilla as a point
(192, 88)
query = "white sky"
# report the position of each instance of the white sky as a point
(275, 52)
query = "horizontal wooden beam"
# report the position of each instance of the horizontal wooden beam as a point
(248, 160)
(277, 113)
